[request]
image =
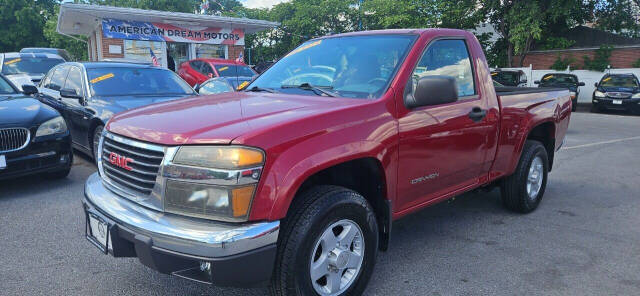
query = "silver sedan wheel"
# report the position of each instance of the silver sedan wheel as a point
(337, 258)
(535, 178)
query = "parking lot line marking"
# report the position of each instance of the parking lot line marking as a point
(602, 143)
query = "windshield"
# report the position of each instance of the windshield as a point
(619, 81)
(506, 78)
(234, 71)
(559, 79)
(355, 66)
(5, 87)
(136, 81)
(29, 65)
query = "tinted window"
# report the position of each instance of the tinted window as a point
(619, 81)
(136, 81)
(30, 65)
(354, 66)
(234, 71)
(215, 87)
(74, 80)
(506, 78)
(558, 79)
(195, 65)
(207, 70)
(57, 78)
(5, 87)
(448, 58)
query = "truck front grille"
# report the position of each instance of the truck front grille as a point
(139, 174)
(12, 139)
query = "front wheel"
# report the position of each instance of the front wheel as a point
(328, 245)
(523, 190)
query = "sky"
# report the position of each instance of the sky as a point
(261, 3)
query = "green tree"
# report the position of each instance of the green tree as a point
(600, 61)
(618, 16)
(164, 5)
(76, 48)
(23, 22)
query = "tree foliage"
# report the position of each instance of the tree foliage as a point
(23, 22)
(600, 61)
(618, 16)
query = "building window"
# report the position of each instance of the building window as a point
(141, 50)
(210, 51)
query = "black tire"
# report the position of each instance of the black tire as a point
(95, 140)
(514, 188)
(311, 214)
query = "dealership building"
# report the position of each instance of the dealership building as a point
(118, 33)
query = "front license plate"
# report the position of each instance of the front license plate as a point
(98, 232)
(3, 162)
(617, 102)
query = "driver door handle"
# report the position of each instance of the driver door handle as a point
(477, 114)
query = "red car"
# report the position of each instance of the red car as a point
(297, 179)
(200, 70)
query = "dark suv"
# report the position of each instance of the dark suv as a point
(617, 92)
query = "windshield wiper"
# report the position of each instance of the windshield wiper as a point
(315, 89)
(256, 88)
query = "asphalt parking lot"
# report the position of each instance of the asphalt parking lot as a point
(583, 240)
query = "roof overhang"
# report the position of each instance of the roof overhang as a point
(83, 19)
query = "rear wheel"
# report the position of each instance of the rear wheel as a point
(327, 246)
(97, 133)
(523, 190)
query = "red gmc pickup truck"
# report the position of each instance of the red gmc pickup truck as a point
(296, 180)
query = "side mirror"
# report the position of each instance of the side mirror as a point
(580, 83)
(536, 82)
(595, 84)
(431, 90)
(69, 93)
(29, 89)
(197, 87)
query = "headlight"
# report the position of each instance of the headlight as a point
(599, 94)
(219, 157)
(51, 127)
(636, 96)
(211, 182)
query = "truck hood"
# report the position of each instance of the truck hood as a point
(218, 119)
(117, 104)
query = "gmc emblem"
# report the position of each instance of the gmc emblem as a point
(120, 161)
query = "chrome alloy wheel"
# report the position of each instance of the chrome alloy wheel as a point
(337, 258)
(535, 178)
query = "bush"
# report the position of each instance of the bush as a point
(562, 63)
(636, 64)
(601, 59)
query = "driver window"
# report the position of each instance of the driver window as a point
(74, 80)
(448, 58)
(207, 70)
(58, 78)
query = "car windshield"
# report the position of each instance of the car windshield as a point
(215, 87)
(234, 71)
(619, 81)
(120, 81)
(354, 66)
(29, 65)
(506, 77)
(5, 87)
(559, 79)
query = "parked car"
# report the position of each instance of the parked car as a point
(299, 184)
(617, 92)
(88, 94)
(27, 68)
(199, 70)
(61, 52)
(563, 80)
(34, 138)
(515, 78)
(214, 86)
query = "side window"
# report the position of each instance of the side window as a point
(448, 58)
(195, 65)
(74, 80)
(58, 78)
(207, 70)
(46, 79)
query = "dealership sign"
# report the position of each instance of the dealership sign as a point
(170, 33)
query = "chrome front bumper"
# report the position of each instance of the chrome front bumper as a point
(178, 234)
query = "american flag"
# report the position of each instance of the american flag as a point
(154, 59)
(240, 58)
